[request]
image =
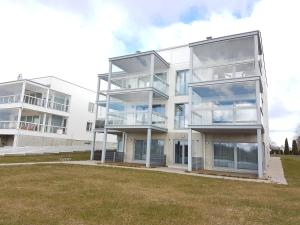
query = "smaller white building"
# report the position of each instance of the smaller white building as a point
(46, 111)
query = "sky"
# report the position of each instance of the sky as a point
(73, 39)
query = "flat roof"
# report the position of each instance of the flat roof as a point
(140, 54)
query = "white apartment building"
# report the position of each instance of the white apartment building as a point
(46, 111)
(198, 106)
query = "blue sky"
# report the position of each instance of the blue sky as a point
(72, 39)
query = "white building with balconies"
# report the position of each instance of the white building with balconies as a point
(197, 106)
(45, 111)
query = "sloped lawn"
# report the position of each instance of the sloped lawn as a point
(72, 194)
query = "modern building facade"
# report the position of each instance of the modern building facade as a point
(197, 106)
(45, 111)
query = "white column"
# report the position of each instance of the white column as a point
(190, 150)
(93, 145)
(23, 91)
(106, 115)
(47, 98)
(96, 116)
(16, 139)
(104, 146)
(259, 154)
(148, 155)
(44, 122)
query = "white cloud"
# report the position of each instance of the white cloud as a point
(278, 21)
(73, 39)
(39, 40)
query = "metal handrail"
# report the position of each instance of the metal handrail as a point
(31, 126)
(34, 100)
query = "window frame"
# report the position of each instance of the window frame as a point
(187, 73)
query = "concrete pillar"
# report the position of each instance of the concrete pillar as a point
(259, 154)
(148, 154)
(93, 145)
(104, 146)
(94, 125)
(190, 150)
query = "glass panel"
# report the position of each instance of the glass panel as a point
(140, 150)
(224, 103)
(223, 116)
(181, 116)
(182, 82)
(246, 115)
(178, 152)
(157, 147)
(224, 59)
(247, 156)
(224, 155)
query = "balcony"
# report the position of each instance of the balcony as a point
(225, 58)
(225, 105)
(136, 119)
(36, 127)
(34, 95)
(134, 72)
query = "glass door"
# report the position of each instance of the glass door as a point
(181, 152)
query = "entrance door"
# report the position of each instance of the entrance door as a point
(181, 152)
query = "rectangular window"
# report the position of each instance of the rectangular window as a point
(182, 82)
(224, 155)
(89, 126)
(236, 155)
(181, 116)
(91, 107)
(157, 148)
(247, 156)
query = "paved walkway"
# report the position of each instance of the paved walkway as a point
(275, 171)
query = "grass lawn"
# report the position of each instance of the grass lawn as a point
(73, 194)
(45, 157)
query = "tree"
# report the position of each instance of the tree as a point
(286, 147)
(295, 150)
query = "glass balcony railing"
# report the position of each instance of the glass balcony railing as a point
(31, 100)
(34, 100)
(237, 70)
(136, 118)
(58, 106)
(10, 99)
(55, 129)
(137, 82)
(8, 124)
(29, 126)
(221, 116)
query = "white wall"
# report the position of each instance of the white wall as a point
(78, 114)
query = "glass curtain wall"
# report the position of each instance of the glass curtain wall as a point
(157, 149)
(181, 115)
(224, 104)
(225, 59)
(236, 156)
(182, 77)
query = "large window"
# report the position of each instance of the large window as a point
(225, 59)
(224, 103)
(224, 155)
(236, 155)
(181, 116)
(182, 82)
(157, 148)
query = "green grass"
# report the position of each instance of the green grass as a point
(45, 157)
(73, 194)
